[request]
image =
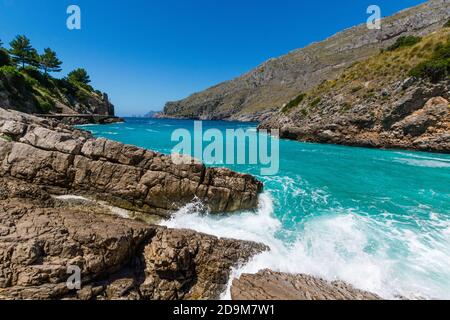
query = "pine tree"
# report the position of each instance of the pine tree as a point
(22, 52)
(79, 75)
(49, 62)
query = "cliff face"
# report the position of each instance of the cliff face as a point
(31, 92)
(267, 88)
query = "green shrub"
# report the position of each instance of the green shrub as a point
(315, 102)
(406, 41)
(294, 103)
(46, 104)
(5, 60)
(5, 137)
(447, 24)
(13, 77)
(436, 68)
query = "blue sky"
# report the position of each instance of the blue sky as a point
(145, 53)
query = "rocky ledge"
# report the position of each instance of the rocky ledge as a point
(269, 285)
(64, 160)
(419, 120)
(40, 237)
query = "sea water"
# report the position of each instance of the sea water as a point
(377, 219)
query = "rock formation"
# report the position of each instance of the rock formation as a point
(65, 160)
(264, 90)
(269, 285)
(40, 237)
(420, 120)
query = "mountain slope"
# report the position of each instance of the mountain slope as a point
(267, 88)
(395, 99)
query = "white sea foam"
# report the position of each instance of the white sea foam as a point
(370, 254)
(424, 163)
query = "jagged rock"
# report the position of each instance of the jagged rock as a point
(269, 285)
(417, 118)
(182, 264)
(57, 156)
(118, 258)
(417, 124)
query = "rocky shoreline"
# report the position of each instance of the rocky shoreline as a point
(41, 235)
(47, 227)
(67, 160)
(269, 285)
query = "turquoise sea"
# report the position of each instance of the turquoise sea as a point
(377, 219)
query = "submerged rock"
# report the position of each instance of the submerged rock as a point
(269, 285)
(67, 160)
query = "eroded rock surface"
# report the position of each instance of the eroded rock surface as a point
(63, 159)
(119, 258)
(269, 285)
(416, 117)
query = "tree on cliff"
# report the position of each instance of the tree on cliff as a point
(49, 62)
(1, 43)
(79, 75)
(22, 52)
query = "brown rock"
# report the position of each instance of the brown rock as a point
(119, 258)
(269, 285)
(54, 155)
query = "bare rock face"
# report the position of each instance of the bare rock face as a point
(66, 160)
(416, 118)
(40, 237)
(269, 285)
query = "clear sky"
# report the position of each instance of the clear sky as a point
(147, 52)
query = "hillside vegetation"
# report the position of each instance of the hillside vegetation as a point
(395, 99)
(26, 83)
(425, 58)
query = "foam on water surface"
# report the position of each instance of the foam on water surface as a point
(379, 220)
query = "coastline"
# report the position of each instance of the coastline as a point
(21, 127)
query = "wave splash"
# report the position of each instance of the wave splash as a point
(369, 254)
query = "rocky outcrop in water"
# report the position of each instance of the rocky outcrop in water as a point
(65, 160)
(269, 285)
(40, 237)
(264, 90)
